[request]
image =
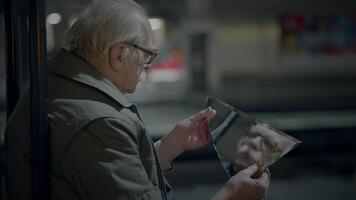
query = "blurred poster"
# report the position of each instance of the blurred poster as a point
(241, 141)
(318, 35)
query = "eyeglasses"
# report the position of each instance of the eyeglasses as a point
(149, 54)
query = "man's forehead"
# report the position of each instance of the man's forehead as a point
(264, 130)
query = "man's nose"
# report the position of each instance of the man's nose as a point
(255, 143)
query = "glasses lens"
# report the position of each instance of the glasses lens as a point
(152, 57)
(147, 58)
(149, 55)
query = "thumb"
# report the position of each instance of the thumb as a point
(264, 179)
(251, 170)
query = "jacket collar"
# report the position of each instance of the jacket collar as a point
(67, 64)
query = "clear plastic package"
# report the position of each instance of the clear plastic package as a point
(241, 140)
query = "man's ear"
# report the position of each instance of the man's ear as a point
(116, 56)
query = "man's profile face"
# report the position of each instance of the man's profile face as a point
(135, 67)
(133, 71)
(259, 146)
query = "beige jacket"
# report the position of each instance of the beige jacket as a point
(99, 147)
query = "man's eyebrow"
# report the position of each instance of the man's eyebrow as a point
(254, 131)
(271, 141)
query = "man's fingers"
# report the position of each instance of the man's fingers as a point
(207, 113)
(202, 114)
(212, 114)
(204, 130)
(268, 173)
(264, 179)
(250, 171)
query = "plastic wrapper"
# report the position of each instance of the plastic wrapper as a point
(241, 140)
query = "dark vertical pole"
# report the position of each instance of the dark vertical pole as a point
(38, 90)
(11, 35)
(12, 87)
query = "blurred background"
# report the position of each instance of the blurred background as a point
(291, 63)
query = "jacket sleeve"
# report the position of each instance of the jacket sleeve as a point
(166, 166)
(103, 162)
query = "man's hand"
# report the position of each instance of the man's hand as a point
(189, 134)
(193, 133)
(243, 187)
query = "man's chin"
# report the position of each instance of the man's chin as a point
(130, 90)
(242, 162)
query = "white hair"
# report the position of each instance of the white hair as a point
(105, 23)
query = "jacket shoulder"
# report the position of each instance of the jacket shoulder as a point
(68, 118)
(76, 114)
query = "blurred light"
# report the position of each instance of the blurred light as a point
(164, 75)
(54, 18)
(156, 23)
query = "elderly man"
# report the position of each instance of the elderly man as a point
(100, 148)
(261, 146)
